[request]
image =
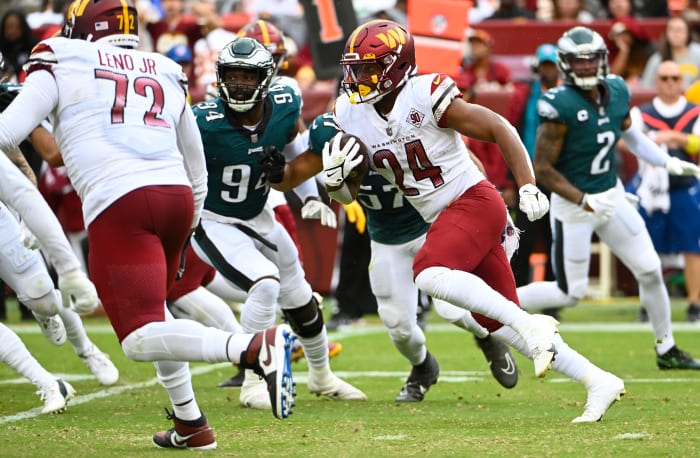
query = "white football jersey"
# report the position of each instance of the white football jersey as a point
(428, 163)
(116, 117)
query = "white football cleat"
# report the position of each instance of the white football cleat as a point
(604, 390)
(254, 393)
(101, 366)
(52, 327)
(539, 336)
(323, 382)
(55, 396)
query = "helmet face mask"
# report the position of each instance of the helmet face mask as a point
(583, 57)
(244, 72)
(379, 58)
(103, 21)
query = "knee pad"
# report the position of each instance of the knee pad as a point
(397, 323)
(650, 277)
(431, 281)
(133, 346)
(40, 296)
(265, 290)
(647, 268)
(305, 321)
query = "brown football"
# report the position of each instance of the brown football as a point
(360, 170)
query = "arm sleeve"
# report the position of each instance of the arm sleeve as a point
(190, 144)
(643, 147)
(297, 146)
(19, 193)
(30, 108)
(342, 195)
(306, 189)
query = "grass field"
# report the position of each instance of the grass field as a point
(466, 414)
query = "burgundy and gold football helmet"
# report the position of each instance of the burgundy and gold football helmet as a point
(103, 21)
(380, 45)
(271, 37)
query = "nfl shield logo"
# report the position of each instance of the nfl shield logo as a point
(389, 131)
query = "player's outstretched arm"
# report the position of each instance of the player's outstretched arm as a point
(189, 142)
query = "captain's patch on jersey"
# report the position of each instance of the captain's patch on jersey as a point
(415, 118)
(546, 110)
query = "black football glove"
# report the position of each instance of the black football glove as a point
(272, 162)
(6, 98)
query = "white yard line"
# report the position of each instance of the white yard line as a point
(445, 376)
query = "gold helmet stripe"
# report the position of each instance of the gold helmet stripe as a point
(357, 32)
(265, 32)
(125, 13)
(79, 6)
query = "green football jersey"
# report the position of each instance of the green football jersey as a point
(237, 186)
(390, 218)
(587, 158)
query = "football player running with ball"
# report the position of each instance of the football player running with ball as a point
(132, 150)
(397, 232)
(582, 120)
(412, 125)
(239, 234)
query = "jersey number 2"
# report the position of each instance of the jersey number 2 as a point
(601, 162)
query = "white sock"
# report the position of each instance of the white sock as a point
(567, 362)
(413, 346)
(654, 298)
(260, 308)
(75, 331)
(15, 354)
(316, 349)
(176, 379)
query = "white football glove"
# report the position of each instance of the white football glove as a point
(27, 237)
(533, 202)
(77, 289)
(337, 162)
(676, 166)
(315, 209)
(602, 203)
